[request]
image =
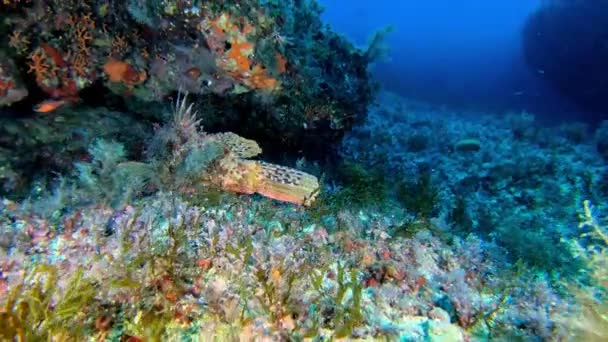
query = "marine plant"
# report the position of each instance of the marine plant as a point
(153, 266)
(419, 196)
(109, 177)
(484, 324)
(527, 239)
(40, 309)
(591, 322)
(341, 308)
(347, 316)
(362, 186)
(323, 207)
(459, 214)
(377, 49)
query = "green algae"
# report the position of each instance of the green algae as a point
(38, 309)
(350, 316)
(419, 196)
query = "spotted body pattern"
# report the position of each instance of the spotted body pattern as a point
(241, 175)
(239, 146)
(284, 183)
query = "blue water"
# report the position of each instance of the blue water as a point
(468, 56)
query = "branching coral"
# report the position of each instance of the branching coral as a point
(18, 41)
(52, 70)
(39, 66)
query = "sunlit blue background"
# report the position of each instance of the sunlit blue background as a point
(458, 53)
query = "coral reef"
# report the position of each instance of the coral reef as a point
(164, 269)
(155, 250)
(260, 66)
(130, 211)
(503, 177)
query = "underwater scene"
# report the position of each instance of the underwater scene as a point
(303, 170)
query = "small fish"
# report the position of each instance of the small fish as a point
(48, 106)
